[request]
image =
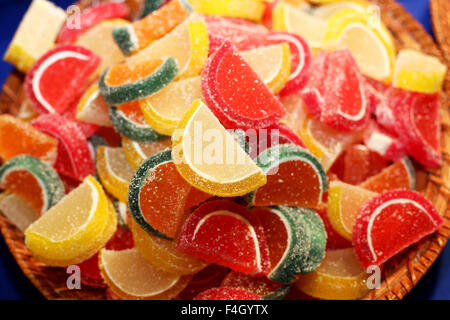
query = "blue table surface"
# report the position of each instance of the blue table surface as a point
(13, 283)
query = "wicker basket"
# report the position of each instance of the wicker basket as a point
(400, 274)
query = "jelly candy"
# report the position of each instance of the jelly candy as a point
(400, 175)
(226, 172)
(344, 201)
(87, 129)
(136, 152)
(335, 92)
(155, 25)
(132, 80)
(129, 121)
(33, 180)
(74, 158)
(261, 286)
(334, 240)
(30, 43)
(114, 171)
(248, 9)
(71, 65)
(19, 137)
(92, 108)
(90, 17)
(390, 222)
(156, 186)
(294, 177)
(195, 198)
(17, 210)
(144, 282)
(74, 229)
(227, 293)
(339, 277)
(387, 145)
(240, 244)
(151, 5)
(249, 105)
(418, 124)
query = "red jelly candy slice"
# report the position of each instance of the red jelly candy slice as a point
(74, 158)
(59, 76)
(228, 234)
(89, 18)
(387, 145)
(334, 240)
(391, 222)
(227, 293)
(418, 124)
(235, 93)
(337, 97)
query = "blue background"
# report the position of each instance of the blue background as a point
(13, 283)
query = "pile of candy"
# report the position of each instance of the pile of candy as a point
(219, 149)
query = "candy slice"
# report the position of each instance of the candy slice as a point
(30, 43)
(156, 186)
(129, 121)
(33, 180)
(344, 201)
(164, 110)
(334, 239)
(163, 253)
(335, 92)
(227, 293)
(17, 210)
(99, 40)
(188, 44)
(19, 137)
(209, 277)
(74, 158)
(249, 105)
(228, 171)
(339, 277)
(135, 80)
(151, 5)
(387, 145)
(90, 17)
(114, 171)
(136, 152)
(247, 9)
(88, 129)
(390, 223)
(418, 124)
(71, 65)
(240, 244)
(152, 27)
(400, 175)
(195, 198)
(329, 8)
(294, 177)
(74, 229)
(261, 286)
(417, 71)
(272, 64)
(144, 282)
(92, 108)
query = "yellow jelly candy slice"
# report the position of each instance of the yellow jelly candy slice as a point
(339, 277)
(188, 44)
(328, 10)
(209, 158)
(36, 34)
(344, 201)
(136, 152)
(163, 253)
(92, 108)
(417, 71)
(165, 109)
(74, 229)
(99, 40)
(247, 9)
(272, 64)
(132, 277)
(114, 171)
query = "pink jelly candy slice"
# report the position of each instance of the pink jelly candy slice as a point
(227, 293)
(59, 76)
(390, 222)
(74, 158)
(89, 18)
(418, 124)
(379, 140)
(226, 233)
(335, 92)
(235, 93)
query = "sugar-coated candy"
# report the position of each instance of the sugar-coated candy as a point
(137, 152)
(227, 293)
(92, 108)
(334, 240)
(386, 144)
(390, 222)
(59, 76)
(17, 211)
(247, 9)
(151, 5)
